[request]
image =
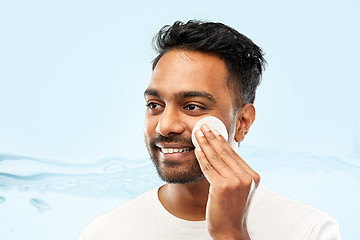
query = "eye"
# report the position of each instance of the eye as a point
(152, 105)
(154, 108)
(193, 107)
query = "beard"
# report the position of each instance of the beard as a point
(173, 173)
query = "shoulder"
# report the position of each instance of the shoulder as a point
(280, 216)
(119, 218)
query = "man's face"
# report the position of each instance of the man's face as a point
(185, 86)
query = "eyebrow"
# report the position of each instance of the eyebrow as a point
(151, 92)
(183, 94)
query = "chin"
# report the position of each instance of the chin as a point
(181, 179)
(179, 174)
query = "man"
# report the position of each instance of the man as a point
(206, 69)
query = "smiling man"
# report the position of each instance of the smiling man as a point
(206, 69)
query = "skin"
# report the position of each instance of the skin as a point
(220, 197)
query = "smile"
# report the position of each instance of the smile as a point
(175, 150)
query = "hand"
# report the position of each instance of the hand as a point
(230, 181)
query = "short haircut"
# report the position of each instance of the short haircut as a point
(244, 59)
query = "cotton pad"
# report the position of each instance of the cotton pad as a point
(214, 124)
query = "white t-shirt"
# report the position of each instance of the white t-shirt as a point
(271, 217)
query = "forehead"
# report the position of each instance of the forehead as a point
(183, 70)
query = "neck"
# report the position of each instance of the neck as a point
(185, 201)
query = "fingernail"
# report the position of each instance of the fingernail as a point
(199, 133)
(206, 127)
(198, 149)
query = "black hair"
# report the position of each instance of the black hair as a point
(244, 60)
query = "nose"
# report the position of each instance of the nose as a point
(170, 122)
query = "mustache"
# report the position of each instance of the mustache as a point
(171, 139)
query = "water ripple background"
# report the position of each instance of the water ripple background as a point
(36, 192)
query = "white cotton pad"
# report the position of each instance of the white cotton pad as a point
(213, 123)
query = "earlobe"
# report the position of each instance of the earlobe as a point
(244, 119)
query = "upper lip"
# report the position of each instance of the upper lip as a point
(172, 145)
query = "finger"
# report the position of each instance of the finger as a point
(240, 161)
(228, 155)
(210, 173)
(212, 157)
(218, 143)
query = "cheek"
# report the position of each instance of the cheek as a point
(150, 126)
(191, 123)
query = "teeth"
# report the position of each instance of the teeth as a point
(175, 150)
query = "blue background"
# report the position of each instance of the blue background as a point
(72, 76)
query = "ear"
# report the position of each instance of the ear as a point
(244, 119)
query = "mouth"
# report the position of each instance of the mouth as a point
(169, 150)
(175, 153)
